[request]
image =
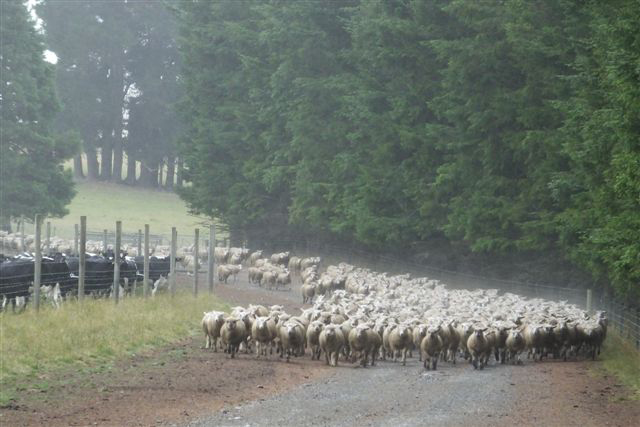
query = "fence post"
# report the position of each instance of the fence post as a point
(116, 262)
(139, 242)
(83, 257)
(75, 239)
(589, 300)
(104, 241)
(195, 262)
(212, 246)
(37, 268)
(145, 280)
(172, 267)
(47, 242)
(21, 226)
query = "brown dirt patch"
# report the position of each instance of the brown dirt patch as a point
(172, 384)
(555, 393)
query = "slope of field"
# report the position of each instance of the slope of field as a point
(104, 203)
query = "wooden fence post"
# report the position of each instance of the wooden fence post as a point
(195, 262)
(83, 257)
(139, 242)
(116, 262)
(75, 239)
(37, 268)
(145, 283)
(589, 300)
(47, 242)
(212, 246)
(172, 267)
(104, 241)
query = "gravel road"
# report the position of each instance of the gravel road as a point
(387, 394)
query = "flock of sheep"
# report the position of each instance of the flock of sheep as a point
(360, 316)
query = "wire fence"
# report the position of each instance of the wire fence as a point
(623, 317)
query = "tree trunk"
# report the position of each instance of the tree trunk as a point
(117, 158)
(106, 161)
(148, 175)
(171, 171)
(179, 173)
(78, 173)
(93, 167)
(160, 173)
(131, 169)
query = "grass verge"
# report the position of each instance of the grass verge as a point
(91, 334)
(620, 358)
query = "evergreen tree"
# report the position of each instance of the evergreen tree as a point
(32, 179)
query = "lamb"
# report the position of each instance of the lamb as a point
(478, 345)
(430, 348)
(313, 336)
(331, 341)
(233, 333)
(211, 324)
(400, 341)
(263, 333)
(269, 279)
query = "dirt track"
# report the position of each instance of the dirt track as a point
(186, 385)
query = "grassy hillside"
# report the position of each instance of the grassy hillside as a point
(104, 203)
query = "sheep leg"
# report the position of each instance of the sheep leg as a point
(435, 363)
(404, 357)
(425, 364)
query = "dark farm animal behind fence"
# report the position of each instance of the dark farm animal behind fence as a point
(158, 266)
(16, 275)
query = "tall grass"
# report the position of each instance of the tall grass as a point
(620, 358)
(92, 333)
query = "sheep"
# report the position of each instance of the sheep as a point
(534, 339)
(283, 279)
(309, 262)
(292, 337)
(453, 341)
(280, 258)
(502, 332)
(263, 333)
(331, 341)
(211, 324)
(294, 264)
(419, 332)
(255, 275)
(307, 291)
(364, 341)
(430, 348)
(313, 335)
(269, 279)
(254, 257)
(515, 344)
(400, 341)
(477, 345)
(233, 333)
(223, 273)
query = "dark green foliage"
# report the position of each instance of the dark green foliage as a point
(31, 154)
(502, 127)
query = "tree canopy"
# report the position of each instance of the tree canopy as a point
(500, 126)
(32, 179)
